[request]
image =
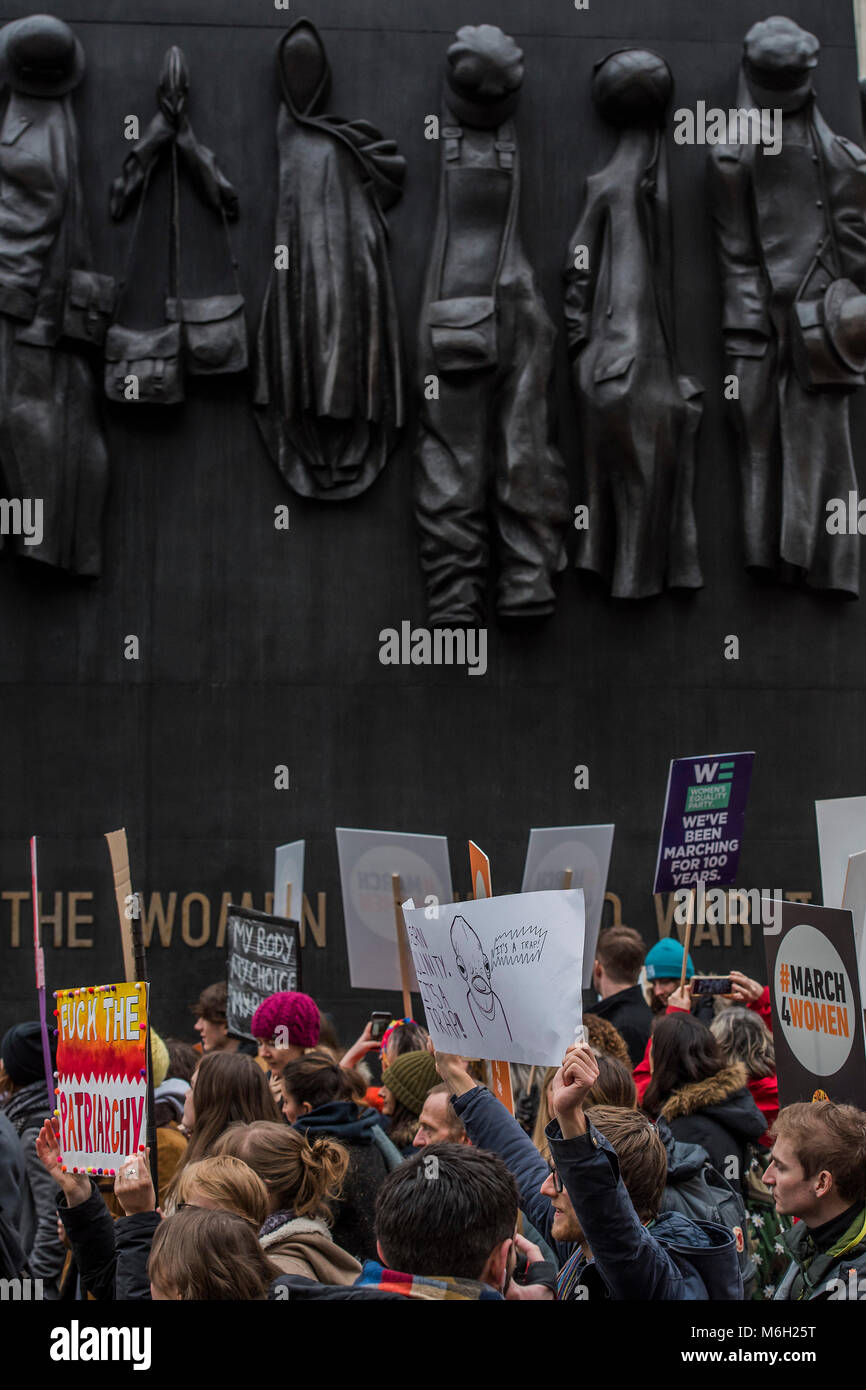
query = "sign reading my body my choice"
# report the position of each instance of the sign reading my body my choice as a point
(263, 958)
(702, 826)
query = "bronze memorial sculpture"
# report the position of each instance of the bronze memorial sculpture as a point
(328, 389)
(791, 243)
(201, 335)
(52, 449)
(485, 359)
(639, 415)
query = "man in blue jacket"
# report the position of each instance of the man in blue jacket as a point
(603, 1223)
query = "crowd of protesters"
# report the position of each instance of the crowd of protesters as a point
(654, 1163)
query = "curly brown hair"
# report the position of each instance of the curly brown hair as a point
(603, 1037)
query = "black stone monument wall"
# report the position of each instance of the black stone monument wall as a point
(260, 647)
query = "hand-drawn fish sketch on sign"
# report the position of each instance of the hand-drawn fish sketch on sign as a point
(474, 965)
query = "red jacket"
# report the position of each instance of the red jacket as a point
(765, 1093)
(643, 1074)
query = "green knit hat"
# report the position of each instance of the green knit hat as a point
(410, 1077)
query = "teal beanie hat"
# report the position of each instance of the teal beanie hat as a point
(665, 960)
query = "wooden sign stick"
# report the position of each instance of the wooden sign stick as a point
(39, 960)
(288, 900)
(119, 851)
(134, 964)
(402, 946)
(687, 942)
(567, 876)
(482, 887)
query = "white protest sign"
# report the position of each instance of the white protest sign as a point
(289, 869)
(841, 833)
(585, 849)
(368, 859)
(854, 898)
(501, 978)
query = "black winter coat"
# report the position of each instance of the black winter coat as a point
(354, 1211)
(720, 1115)
(630, 1015)
(677, 1259)
(111, 1255)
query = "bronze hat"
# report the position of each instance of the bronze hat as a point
(779, 59)
(40, 56)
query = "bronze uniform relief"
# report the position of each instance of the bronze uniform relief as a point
(791, 244)
(639, 415)
(51, 441)
(328, 390)
(487, 339)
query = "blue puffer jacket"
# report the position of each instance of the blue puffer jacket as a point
(673, 1259)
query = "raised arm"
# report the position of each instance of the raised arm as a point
(629, 1259)
(490, 1126)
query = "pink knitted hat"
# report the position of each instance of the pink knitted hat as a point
(296, 1012)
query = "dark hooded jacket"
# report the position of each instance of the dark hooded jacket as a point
(111, 1255)
(631, 1015)
(674, 1259)
(36, 1223)
(353, 1211)
(719, 1114)
(836, 1274)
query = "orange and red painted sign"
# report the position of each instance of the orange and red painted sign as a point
(101, 1091)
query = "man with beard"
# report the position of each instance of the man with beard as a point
(598, 1205)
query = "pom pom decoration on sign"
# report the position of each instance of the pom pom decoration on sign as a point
(101, 1094)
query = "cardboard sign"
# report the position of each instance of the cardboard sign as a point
(500, 978)
(482, 887)
(479, 868)
(854, 899)
(102, 1074)
(585, 849)
(368, 859)
(264, 957)
(817, 1012)
(841, 833)
(289, 880)
(702, 825)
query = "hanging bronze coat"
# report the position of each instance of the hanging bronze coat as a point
(328, 377)
(639, 415)
(484, 449)
(52, 447)
(790, 236)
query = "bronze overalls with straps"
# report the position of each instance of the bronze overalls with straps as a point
(484, 442)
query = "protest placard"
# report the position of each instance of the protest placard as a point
(816, 1004)
(368, 861)
(841, 833)
(585, 850)
(854, 899)
(500, 978)
(482, 887)
(101, 1074)
(702, 825)
(289, 879)
(264, 957)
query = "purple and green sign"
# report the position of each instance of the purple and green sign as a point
(702, 827)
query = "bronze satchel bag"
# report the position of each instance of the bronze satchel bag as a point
(143, 365)
(213, 329)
